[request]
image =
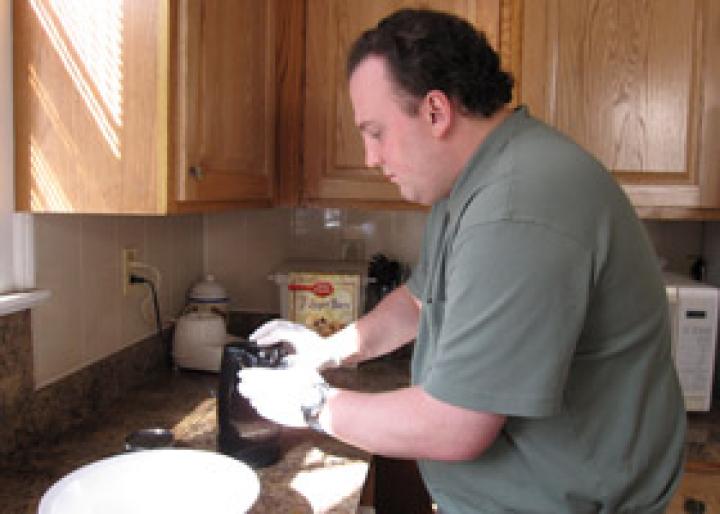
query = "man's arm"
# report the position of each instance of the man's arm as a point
(409, 423)
(390, 325)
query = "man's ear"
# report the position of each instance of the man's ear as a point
(439, 111)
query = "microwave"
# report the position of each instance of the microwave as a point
(694, 328)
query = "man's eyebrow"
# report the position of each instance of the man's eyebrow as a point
(364, 125)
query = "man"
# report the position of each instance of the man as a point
(542, 378)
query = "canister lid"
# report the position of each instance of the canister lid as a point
(208, 290)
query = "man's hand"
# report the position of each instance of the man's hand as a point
(311, 349)
(281, 394)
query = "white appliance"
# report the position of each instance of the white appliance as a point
(694, 324)
(199, 341)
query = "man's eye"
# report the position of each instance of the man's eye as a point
(376, 134)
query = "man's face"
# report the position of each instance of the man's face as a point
(401, 144)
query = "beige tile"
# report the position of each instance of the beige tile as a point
(711, 246)
(188, 262)
(159, 235)
(58, 328)
(101, 287)
(675, 242)
(57, 251)
(227, 250)
(375, 228)
(102, 305)
(316, 234)
(100, 247)
(268, 238)
(131, 233)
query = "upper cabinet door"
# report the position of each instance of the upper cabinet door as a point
(225, 101)
(90, 86)
(636, 83)
(334, 165)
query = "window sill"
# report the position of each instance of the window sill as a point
(14, 302)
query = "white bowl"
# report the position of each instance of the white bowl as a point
(178, 481)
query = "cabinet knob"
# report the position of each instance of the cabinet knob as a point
(196, 172)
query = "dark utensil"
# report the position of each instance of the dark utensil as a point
(148, 439)
(242, 433)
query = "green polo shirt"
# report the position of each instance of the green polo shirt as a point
(543, 301)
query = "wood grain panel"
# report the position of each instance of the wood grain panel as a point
(290, 69)
(334, 153)
(632, 82)
(624, 74)
(229, 88)
(145, 127)
(86, 119)
(709, 137)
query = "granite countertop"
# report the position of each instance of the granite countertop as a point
(703, 441)
(185, 402)
(300, 483)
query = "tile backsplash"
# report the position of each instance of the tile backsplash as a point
(711, 251)
(88, 317)
(244, 247)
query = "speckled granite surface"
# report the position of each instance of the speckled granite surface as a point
(27, 415)
(16, 381)
(316, 474)
(703, 441)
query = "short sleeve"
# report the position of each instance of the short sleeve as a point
(418, 276)
(514, 306)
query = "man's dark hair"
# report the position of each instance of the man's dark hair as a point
(428, 50)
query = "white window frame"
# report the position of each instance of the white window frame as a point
(17, 269)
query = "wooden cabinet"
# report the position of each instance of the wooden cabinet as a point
(144, 107)
(195, 105)
(703, 488)
(334, 171)
(90, 115)
(226, 87)
(637, 83)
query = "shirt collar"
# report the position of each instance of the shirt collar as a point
(475, 173)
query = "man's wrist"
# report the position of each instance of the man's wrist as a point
(311, 411)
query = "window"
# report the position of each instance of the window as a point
(7, 277)
(16, 263)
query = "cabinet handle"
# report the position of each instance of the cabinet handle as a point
(196, 172)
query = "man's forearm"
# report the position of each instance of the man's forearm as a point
(390, 325)
(409, 423)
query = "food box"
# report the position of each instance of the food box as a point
(323, 296)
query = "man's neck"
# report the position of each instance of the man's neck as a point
(470, 134)
(480, 129)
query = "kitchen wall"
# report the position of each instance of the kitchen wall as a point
(88, 318)
(244, 247)
(89, 343)
(78, 259)
(6, 145)
(711, 250)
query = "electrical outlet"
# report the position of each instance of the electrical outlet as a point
(127, 256)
